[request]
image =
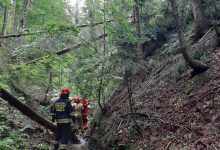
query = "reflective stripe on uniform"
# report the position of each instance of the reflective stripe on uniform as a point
(77, 114)
(72, 114)
(60, 106)
(63, 120)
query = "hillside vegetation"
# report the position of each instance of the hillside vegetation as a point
(150, 69)
(174, 110)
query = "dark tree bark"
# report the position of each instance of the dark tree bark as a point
(201, 21)
(24, 109)
(5, 21)
(140, 54)
(196, 65)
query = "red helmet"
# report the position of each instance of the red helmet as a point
(65, 91)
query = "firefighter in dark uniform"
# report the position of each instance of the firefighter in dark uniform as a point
(62, 113)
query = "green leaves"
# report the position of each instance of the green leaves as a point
(57, 28)
(14, 140)
(4, 2)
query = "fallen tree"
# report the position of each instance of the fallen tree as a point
(40, 32)
(79, 26)
(19, 35)
(27, 111)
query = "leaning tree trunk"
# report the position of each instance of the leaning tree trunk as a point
(142, 71)
(196, 65)
(5, 21)
(200, 20)
(23, 108)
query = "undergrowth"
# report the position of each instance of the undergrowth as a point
(12, 137)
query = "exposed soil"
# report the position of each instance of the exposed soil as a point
(181, 113)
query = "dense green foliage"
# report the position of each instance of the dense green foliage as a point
(82, 68)
(97, 67)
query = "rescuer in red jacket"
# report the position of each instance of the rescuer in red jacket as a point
(85, 113)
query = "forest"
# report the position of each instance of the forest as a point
(150, 70)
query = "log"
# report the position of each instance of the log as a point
(18, 35)
(79, 26)
(27, 111)
(40, 32)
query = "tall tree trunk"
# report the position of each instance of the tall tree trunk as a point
(142, 71)
(5, 21)
(200, 20)
(91, 10)
(48, 87)
(100, 90)
(13, 17)
(196, 65)
(77, 13)
(26, 4)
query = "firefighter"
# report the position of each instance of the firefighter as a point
(86, 113)
(78, 107)
(62, 114)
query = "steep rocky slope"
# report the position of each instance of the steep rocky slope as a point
(178, 110)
